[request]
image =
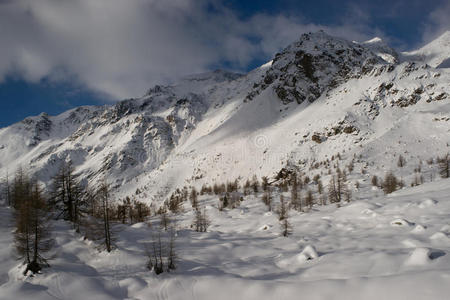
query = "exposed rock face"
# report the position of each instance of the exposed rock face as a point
(316, 63)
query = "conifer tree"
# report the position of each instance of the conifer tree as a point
(401, 161)
(295, 203)
(201, 221)
(337, 187)
(67, 195)
(286, 227)
(282, 209)
(309, 199)
(444, 166)
(390, 183)
(194, 199)
(255, 184)
(264, 183)
(267, 198)
(32, 234)
(162, 252)
(103, 194)
(171, 255)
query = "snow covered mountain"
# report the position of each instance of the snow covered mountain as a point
(436, 53)
(320, 96)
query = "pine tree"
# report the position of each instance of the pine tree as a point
(319, 187)
(333, 193)
(171, 255)
(20, 188)
(32, 235)
(247, 186)
(374, 180)
(286, 228)
(282, 209)
(164, 219)
(155, 262)
(67, 195)
(267, 198)
(444, 166)
(295, 203)
(309, 198)
(162, 251)
(401, 161)
(255, 184)
(337, 187)
(103, 194)
(390, 183)
(194, 199)
(264, 183)
(201, 221)
(141, 210)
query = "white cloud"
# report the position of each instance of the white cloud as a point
(120, 48)
(438, 22)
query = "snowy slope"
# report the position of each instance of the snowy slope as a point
(436, 53)
(377, 247)
(318, 97)
(380, 48)
(219, 126)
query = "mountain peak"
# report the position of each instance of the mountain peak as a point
(443, 41)
(380, 48)
(436, 53)
(444, 36)
(315, 63)
(315, 42)
(375, 40)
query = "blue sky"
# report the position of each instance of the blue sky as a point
(56, 55)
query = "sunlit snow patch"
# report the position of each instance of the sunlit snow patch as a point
(419, 257)
(308, 253)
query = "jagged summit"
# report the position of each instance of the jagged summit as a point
(382, 49)
(375, 40)
(314, 64)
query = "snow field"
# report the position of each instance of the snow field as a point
(351, 252)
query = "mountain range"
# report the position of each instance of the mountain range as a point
(319, 97)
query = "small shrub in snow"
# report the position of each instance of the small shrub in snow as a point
(286, 227)
(374, 180)
(390, 183)
(401, 161)
(162, 252)
(201, 221)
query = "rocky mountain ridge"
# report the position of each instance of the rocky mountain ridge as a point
(319, 96)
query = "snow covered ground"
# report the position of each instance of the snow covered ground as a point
(217, 127)
(376, 247)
